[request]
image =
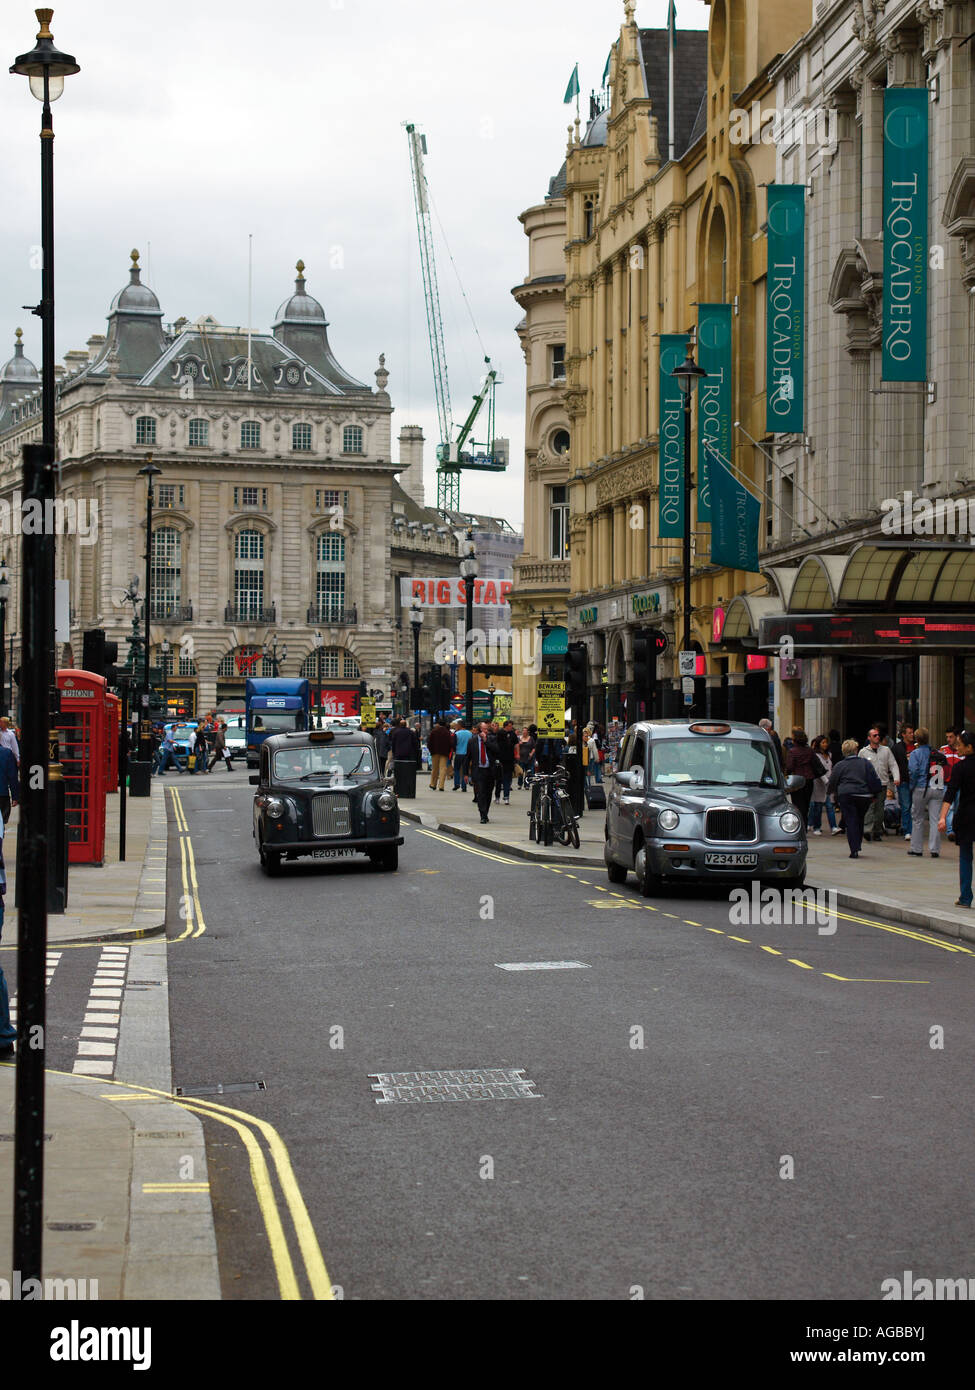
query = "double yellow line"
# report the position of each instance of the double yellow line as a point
(191, 888)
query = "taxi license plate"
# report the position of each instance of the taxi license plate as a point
(332, 853)
(731, 861)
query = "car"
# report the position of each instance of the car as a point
(235, 734)
(321, 792)
(702, 801)
(180, 734)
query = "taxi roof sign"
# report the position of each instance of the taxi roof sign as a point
(710, 728)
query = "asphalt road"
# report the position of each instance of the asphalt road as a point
(660, 1169)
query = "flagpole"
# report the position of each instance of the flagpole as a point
(250, 281)
(671, 25)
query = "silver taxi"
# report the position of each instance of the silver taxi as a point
(702, 800)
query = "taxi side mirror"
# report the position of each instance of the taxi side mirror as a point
(794, 782)
(254, 780)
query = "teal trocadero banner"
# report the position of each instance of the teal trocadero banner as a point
(713, 395)
(734, 519)
(785, 317)
(905, 354)
(673, 350)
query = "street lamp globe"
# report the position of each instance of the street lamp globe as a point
(688, 373)
(4, 581)
(45, 66)
(416, 614)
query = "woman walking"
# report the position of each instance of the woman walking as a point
(801, 761)
(820, 796)
(854, 784)
(926, 782)
(962, 785)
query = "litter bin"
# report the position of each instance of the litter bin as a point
(404, 777)
(139, 778)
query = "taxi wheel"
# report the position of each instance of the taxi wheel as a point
(270, 861)
(616, 873)
(650, 884)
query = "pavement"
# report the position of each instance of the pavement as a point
(884, 880)
(126, 1190)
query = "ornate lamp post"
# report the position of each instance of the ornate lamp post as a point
(150, 472)
(319, 645)
(416, 622)
(165, 648)
(4, 595)
(272, 654)
(468, 568)
(688, 375)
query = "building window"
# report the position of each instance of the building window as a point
(559, 530)
(169, 495)
(352, 439)
(145, 432)
(328, 497)
(166, 569)
(330, 577)
(301, 438)
(250, 497)
(249, 573)
(589, 216)
(250, 434)
(350, 667)
(228, 664)
(199, 434)
(558, 361)
(561, 441)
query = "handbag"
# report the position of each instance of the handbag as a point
(191, 761)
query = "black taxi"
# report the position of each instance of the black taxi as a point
(699, 800)
(321, 794)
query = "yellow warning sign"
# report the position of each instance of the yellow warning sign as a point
(367, 712)
(550, 709)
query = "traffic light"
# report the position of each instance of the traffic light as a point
(644, 661)
(100, 656)
(109, 658)
(576, 676)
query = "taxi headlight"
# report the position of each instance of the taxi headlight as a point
(668, 820)
(386, 801)
(789, 822)
(276, 808)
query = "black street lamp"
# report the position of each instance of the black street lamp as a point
(45, 68)
(4, 595)
(688, 375)
(319, 644)
(165, 649)
(272, 654)
(416, 622)
(468, 568)
(150, 472)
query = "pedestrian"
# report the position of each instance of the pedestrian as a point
(220, 749)
(882, 760)
(902, 751)
(820, 796)
(524, 756)
(462, 741)
(952, 756)
(195, 744)
(439, 743)
(855, 785)
(961, 786)
(507, 748)
(8, 737)
(597, 753)
(167, 752)
(926, 776)
(834, 745)
(8, 1033)
(766, 724)
(9, 782)
(483, 759)
(382, 743)
(801, 761)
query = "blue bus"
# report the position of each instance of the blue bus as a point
(274, 707)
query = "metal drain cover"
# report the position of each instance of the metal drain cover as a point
(487, 1083)
(220, 1089)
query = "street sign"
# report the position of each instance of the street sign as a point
(550, 709)
(687, 663)
(688, 699)
(377, 671)
(367, 712)
(687, 685)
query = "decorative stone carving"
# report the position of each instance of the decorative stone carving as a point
(959, 214)
(635, 477)
(382, 376)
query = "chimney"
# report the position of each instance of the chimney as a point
(95, 344)
(411, 462)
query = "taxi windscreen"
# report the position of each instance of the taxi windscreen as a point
(703, 761)
(324, 761)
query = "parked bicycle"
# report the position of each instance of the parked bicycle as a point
(551, 813)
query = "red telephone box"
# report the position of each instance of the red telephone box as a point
(82, 729)
(113, 726)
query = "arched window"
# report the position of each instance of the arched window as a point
(249, 575)
(166, 571)
(330, 577)
(589, 216)
(145, 430)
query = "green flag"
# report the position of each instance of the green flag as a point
(609, 59)
(714, 403)
(734, 518)
(573, 88)
(906, 213)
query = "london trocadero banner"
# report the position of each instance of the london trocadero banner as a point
(785, 317)
(905, 303)
(713, 395)
(673, 350)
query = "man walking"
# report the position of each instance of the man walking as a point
(902, 750)
(462, 743)
(8, 739)
(926, 777)
(962, 786)
(507, 742)
(9, 782)
(882, 760)
(220, 749)
(854, 784)
(438, 741)
(483, 760)
(952, 756)
(167, 752)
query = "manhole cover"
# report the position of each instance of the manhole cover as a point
(488, 1083)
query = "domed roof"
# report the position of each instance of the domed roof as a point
(135, 297)
(301, 307)
(20, 368)
(597, 132)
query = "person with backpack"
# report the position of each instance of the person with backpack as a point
(926, 777)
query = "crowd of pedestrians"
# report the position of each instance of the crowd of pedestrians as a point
(206, 746)
(887, 788)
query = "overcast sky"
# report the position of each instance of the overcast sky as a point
(191, 126)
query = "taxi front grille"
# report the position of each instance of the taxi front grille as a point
(731, 823)
(331, 815)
